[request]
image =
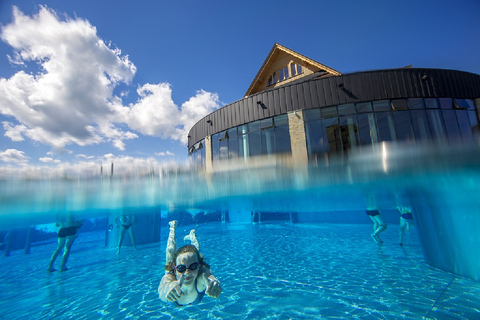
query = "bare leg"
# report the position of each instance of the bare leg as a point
(375, 223)
(172, 242)
(132, 237)
(66, 252)
(403, 227)
(193, 239)
(61, 243)
(379, 226)
(120, 238)
(382, 226)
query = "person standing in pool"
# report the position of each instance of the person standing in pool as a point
(66, 236)
(379, 224)
(126, 222)
(187, 276)
(406, 217)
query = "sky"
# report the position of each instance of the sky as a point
(84, 84)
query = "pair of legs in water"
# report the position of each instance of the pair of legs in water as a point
(379, 225)
(406, 217)
(66, 244)
(172, 241)
(123, 229)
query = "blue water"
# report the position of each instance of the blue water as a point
(268, 270)
(323, 264)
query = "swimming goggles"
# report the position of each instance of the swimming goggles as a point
(182, 268)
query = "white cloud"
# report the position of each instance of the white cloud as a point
(13, 155)
(84, 156)
(193, 110)
(14, 132)
(163, 154)
(70, 100)
(49, 160)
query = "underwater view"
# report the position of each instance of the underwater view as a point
(285, 243)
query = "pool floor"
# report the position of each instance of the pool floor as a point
(268, 271)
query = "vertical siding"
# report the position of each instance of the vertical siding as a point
(306, 95)
(269, 111)
(313, 94)
(321, 93)
(253, 107)
(294, 95)
(288, 96)
(346, 94)
(327, 91)
(300, 96)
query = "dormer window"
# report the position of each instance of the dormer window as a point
(283, 73)
(272, 79)
(296, 69)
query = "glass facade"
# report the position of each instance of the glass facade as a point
(338, 129)
(197, 155)
(341, 128)
(262, 137)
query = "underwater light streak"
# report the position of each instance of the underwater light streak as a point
(384, 157)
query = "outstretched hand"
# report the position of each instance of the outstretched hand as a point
(175, 291)
(214, 288)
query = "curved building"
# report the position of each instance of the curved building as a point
(308, 112)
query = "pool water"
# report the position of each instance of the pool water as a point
(275, 270)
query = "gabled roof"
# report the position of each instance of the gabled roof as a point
(280, 52)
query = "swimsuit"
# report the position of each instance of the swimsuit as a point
(196, 301)
(373, 213)
(407, 215)
(126, 226)
(68, 231)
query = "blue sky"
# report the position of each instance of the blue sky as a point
(86, 83)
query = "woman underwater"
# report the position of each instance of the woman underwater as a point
(187, 276)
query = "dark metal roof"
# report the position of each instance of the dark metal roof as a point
(313, 92)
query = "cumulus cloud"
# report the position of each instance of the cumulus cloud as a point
(13, 155)
(14, 132)
(49, 160)
(70, 99)
(84, 156)
(156, 114)
(163, 154)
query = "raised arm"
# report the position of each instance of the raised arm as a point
(169, 288)
(214, 288)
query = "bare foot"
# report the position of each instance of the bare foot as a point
(191, 236)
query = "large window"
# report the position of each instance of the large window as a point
(197, 155)
(263, 137)
(367, 129)
(349, 131)
(386, 127)
(337, 129)
(232, 143)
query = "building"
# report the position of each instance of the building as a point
(304, 112)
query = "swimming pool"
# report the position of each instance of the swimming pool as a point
(272, 270)
(319, 262)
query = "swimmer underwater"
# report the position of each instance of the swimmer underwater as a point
(187, 276)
